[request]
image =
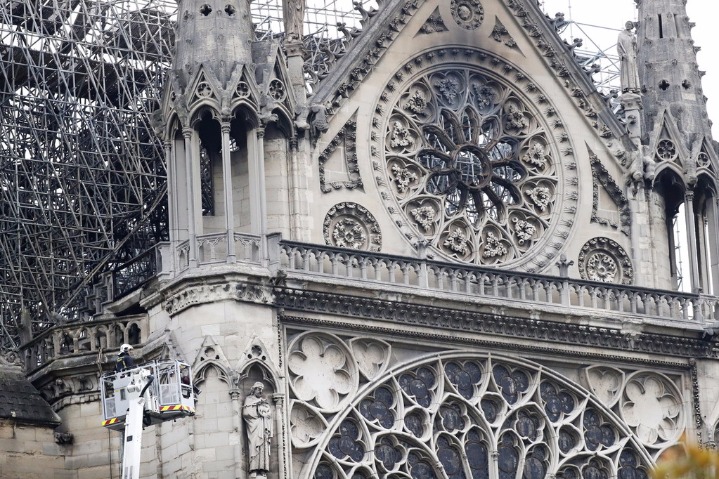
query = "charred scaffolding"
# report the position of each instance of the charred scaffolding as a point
(82, 176)
(82, 173)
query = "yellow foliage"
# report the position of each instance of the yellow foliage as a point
(687, 461)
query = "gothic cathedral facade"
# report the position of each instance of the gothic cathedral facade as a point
(450, 257)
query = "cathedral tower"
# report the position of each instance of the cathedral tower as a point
(228, 102)
(680, 158)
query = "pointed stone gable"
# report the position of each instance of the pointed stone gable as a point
(382, 31)
(606, 192)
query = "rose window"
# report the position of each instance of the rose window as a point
(467, 416)
(471, 166)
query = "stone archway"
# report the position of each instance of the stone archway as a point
(464, 415)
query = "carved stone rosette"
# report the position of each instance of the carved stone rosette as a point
(468, 14)
(350, 225)
(602, 259)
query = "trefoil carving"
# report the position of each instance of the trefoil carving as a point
(433, 24)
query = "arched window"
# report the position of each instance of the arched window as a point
(208, 129)
(691, 225)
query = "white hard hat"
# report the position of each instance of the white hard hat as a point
(125, 348)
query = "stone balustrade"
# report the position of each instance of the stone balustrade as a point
(512, 288)
(213, 249)
(84, 338)
(336, 265)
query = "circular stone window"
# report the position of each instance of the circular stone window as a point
(470, 165)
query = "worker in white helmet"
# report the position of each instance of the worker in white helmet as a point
(124, 361)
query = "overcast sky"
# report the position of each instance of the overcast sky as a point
(613, 13)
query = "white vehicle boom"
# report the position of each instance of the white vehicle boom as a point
(145, 395)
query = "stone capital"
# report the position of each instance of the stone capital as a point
(631, 101)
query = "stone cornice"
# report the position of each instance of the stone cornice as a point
(445, 339)
(416, 316)
(211, 293)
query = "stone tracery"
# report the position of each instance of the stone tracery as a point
(350, 225)
(471, 166)
(446, 417)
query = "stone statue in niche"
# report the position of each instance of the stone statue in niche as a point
(627, 50)
(258, 417)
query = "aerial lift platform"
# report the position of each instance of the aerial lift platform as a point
(148, 394)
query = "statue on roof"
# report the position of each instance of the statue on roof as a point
(627, 50)
(294, 17)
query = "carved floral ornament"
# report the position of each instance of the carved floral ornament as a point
(455, 415)
(604, 260)
(649, 402)
(472, 166)
(350, 225)
(468, 14)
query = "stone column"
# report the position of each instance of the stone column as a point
(171, 200)
(187, 134)
(236, 428)
(227, 181)
(279, 400)
(256, 170)
(692, 240)
(294, 191)
(712, 215)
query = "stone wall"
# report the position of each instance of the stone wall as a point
(30, 452)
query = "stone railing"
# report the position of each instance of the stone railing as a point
(511, 288)
(213, 249)
(164, 263)
(83, 338)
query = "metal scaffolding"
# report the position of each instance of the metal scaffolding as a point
(82, 176)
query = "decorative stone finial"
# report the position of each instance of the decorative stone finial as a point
(563, 264)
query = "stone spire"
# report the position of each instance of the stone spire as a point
(669, 76)
(214, 34)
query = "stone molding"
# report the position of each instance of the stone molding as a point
(369, 47)
(210, 293)
(445, 319)
(347, 137)
(601, 177)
